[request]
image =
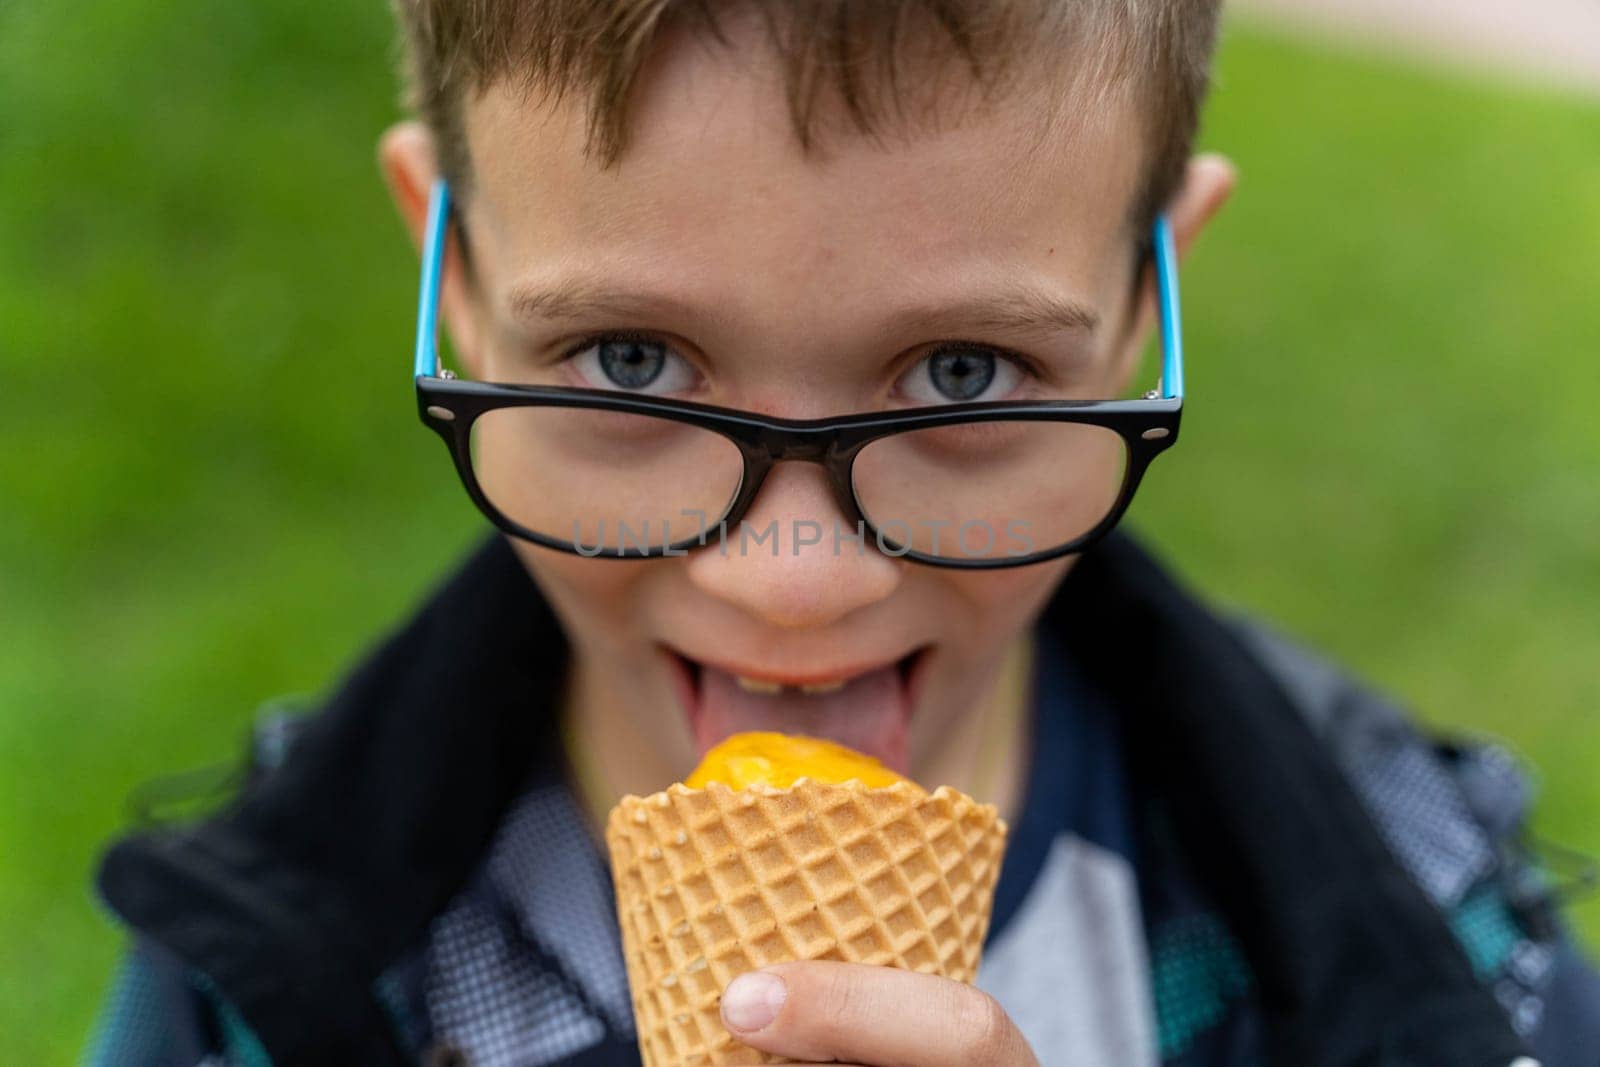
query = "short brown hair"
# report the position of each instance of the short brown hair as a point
(858, 49)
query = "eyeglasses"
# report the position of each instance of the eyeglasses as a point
(617, 475)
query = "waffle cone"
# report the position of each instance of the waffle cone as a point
(714, 882)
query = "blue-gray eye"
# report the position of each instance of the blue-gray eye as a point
(961, 373)
(635, 365)
(957, 373)
(631, 364)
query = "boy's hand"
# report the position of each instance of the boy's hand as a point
(873, 1016)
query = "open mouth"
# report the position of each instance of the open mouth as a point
(867, 707)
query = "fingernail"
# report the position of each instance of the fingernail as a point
(752, 1000)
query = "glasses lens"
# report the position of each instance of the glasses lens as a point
(605, 481)
(990, 490)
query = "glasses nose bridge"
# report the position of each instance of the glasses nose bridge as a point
(799, 445)
(819, 446)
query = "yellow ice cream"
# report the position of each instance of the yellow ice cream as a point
(779, 760)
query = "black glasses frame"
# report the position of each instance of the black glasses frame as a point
(450, 406)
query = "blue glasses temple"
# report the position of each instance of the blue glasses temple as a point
(433, 242)
(438, 224)
(1171, 318)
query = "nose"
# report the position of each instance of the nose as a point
(795, 563)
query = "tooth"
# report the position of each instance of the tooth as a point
(819, 688)
(758, 685)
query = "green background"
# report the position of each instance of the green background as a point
(213, 487)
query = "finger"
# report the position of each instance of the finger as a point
(851, 1012)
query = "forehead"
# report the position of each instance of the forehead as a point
(715, 188)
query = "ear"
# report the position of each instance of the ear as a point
(1207, 183)
(409, 164)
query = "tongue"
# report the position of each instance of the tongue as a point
(869, 714)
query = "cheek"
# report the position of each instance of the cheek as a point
(597, 600)
(985, 613)
(999, 605)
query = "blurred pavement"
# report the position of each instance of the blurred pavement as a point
(1547, 41)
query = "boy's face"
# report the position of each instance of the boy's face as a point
(751, 275)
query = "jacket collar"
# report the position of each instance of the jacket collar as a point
(298, 896)
(1354, 965)
(293, 900)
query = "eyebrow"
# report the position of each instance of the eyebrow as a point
(1016, 308)
(580, 298)
(1021, 309)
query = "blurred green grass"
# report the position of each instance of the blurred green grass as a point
(215, 489)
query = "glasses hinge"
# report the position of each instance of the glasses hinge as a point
(447, 374)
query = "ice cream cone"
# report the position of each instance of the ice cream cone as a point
(714, 882)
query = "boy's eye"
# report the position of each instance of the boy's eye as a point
(961, 373)
(634, 364)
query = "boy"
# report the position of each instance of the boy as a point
(673, 230)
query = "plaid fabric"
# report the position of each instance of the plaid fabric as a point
(525, 967)
(161, 1014)
(1199, 981)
